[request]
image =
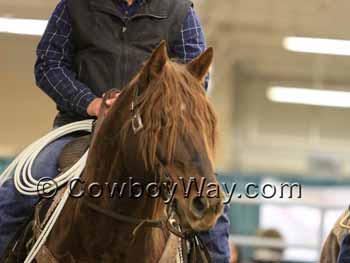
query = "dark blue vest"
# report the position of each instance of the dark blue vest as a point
(111, 46)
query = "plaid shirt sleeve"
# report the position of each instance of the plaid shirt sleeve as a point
(53, 68)
(191, 41)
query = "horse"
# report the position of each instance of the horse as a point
(161, 131)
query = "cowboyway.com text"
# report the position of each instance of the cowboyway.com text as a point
(133, 189)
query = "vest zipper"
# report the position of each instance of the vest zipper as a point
(79, 70)
(123, 69)
(124, 54)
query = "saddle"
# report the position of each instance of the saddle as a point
(73, 151)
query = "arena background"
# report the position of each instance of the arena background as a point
(261, 141)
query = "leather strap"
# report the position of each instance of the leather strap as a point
(159, 223)
(198, 251)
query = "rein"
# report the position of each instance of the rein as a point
(154, 223)
(196, 248)
(167, 221)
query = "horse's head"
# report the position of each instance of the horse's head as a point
(174, 133)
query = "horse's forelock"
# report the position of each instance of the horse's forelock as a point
(175, 98)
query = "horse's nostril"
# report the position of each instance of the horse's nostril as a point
(199, 206)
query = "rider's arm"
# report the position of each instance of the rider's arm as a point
(190, 43)
(53, 68)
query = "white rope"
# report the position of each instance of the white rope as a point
(49, 225)
(26, 184)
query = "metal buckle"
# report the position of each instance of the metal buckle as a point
(136, 122)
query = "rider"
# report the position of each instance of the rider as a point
(344, 254)
(89, 47)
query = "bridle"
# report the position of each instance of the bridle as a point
(169, 221)
(190, 240)
(136, 119)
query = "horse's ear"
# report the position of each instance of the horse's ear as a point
(200, 66)
(154, 65)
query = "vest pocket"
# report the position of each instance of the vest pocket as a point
(95, 69)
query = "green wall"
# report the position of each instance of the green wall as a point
(3, 164)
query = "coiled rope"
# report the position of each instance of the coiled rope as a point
(26, 184)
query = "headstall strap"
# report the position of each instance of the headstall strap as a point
(136, 120)
(195, 247)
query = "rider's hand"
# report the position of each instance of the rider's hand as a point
(112, 100)
(94, 107)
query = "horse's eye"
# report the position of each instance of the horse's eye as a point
(162, 161)
(180, 164)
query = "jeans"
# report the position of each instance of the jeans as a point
(15, 208)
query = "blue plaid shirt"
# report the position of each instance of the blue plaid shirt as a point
(55, 76)
(55, 53)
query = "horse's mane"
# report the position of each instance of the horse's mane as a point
(176, 103)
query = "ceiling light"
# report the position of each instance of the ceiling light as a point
(317, 45)
(22, 26)
(314, 97)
